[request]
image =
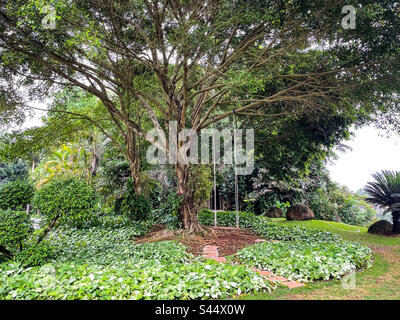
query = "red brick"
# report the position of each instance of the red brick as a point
(265, 273)
(293, 284)
(210, 256)
(278, 278)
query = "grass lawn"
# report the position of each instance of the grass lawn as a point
(382, 281)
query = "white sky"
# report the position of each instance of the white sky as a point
(371, 151)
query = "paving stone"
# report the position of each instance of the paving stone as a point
(293, 284)
(278, 278)
(259, 240)
(266, 273)
(210, 250)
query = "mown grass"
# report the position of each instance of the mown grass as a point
(381, 281)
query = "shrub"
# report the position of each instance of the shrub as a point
(35, 255)
(167, 213)
(15, 229)
(356, 212)
(134, 206)
(337, 204)
(73, 199)
(228, 218)
(16, 195)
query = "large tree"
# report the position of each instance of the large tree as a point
(211, 59)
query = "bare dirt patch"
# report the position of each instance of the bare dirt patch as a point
(228, 240)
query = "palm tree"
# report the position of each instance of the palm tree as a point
(385, 192)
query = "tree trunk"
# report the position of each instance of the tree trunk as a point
(48, 229)
(188, 210)
(134, 160)
(396, 223)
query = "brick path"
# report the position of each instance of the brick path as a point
(211, 252)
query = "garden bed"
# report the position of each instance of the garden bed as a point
(229, 241)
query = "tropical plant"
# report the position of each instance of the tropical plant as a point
(80, 159)
(385, 192)
(66, 162)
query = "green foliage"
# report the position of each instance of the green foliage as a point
(106, 264)
(168, 210)
(201, 183)
(74, 200)
(135, 206)
(307, 261)
(35, 255)
(15, 229)
(140, 280)
(228, 218)
(337, 204)
(16, 195)
(102, 246)
(17, 170)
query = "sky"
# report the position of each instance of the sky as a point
(371, 151)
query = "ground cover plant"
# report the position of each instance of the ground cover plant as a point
(381, 281)
(304, 261)
(101, 263)
(301, 253)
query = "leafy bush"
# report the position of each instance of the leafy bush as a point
(133, 205)
(15, 229)
(228, 218)
(73, 199)
(337, 204)
(16, 236)
(16, 195)
(167, 212)
(356, 212)
(136, 207)
(35, 255)
(17, 170)
(305, 261)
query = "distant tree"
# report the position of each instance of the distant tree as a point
(17, 170)
(385, 193)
